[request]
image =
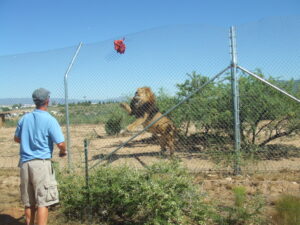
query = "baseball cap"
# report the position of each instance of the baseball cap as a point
(40, 96)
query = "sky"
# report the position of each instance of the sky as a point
(39, 37)
(35, 25)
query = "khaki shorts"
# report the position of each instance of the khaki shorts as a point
(38, 185)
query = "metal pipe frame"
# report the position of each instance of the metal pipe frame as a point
(268, 83)
(235, 96)
(67, 106)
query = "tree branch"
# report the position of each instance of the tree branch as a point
(277, 135)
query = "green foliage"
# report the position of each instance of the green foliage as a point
(85, 113)
(288, 210)
(265, 113)
(164, 102)
(5, 109)
(239, 196)
(161, 194)
(84, 103)
(113, 125)
(209, 108)
(11, 123)
(72, 195)
(244, 210)
(16, 106)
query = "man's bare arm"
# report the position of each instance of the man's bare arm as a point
(62, 149)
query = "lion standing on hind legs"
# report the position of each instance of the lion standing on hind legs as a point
(143, 107)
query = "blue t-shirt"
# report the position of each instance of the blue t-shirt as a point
(38, 131)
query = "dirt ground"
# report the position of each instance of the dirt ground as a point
(271, 178)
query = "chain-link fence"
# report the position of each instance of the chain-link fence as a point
(187, 68)
(184, 94)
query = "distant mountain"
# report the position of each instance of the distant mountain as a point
(24, 101)
(28, 101)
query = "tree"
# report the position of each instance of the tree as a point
(209, 109)
(165, 102)
(16, 106)
(264, 112)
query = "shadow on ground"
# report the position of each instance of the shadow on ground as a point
(9, 220)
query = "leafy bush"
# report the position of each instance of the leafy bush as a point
(161, 194)
(288, 210)
(113, 125)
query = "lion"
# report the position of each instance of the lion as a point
(143, 107)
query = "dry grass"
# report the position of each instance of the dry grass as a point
(143, 151)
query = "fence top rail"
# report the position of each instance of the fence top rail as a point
(268, 83)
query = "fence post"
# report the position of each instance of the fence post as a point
(87, 180)
(86, 163)
(67, 106)
(235, 97)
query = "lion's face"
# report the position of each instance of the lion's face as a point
(143, 100)
(143, 95)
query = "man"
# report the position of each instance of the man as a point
(36, 132)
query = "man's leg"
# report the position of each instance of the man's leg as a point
(29, 215)
(43, 179)
(42, 215)
(27, 194)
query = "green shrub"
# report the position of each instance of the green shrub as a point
(113, 125)
(10, 123)
(288, 210)
(162, 194)
(244, 210)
